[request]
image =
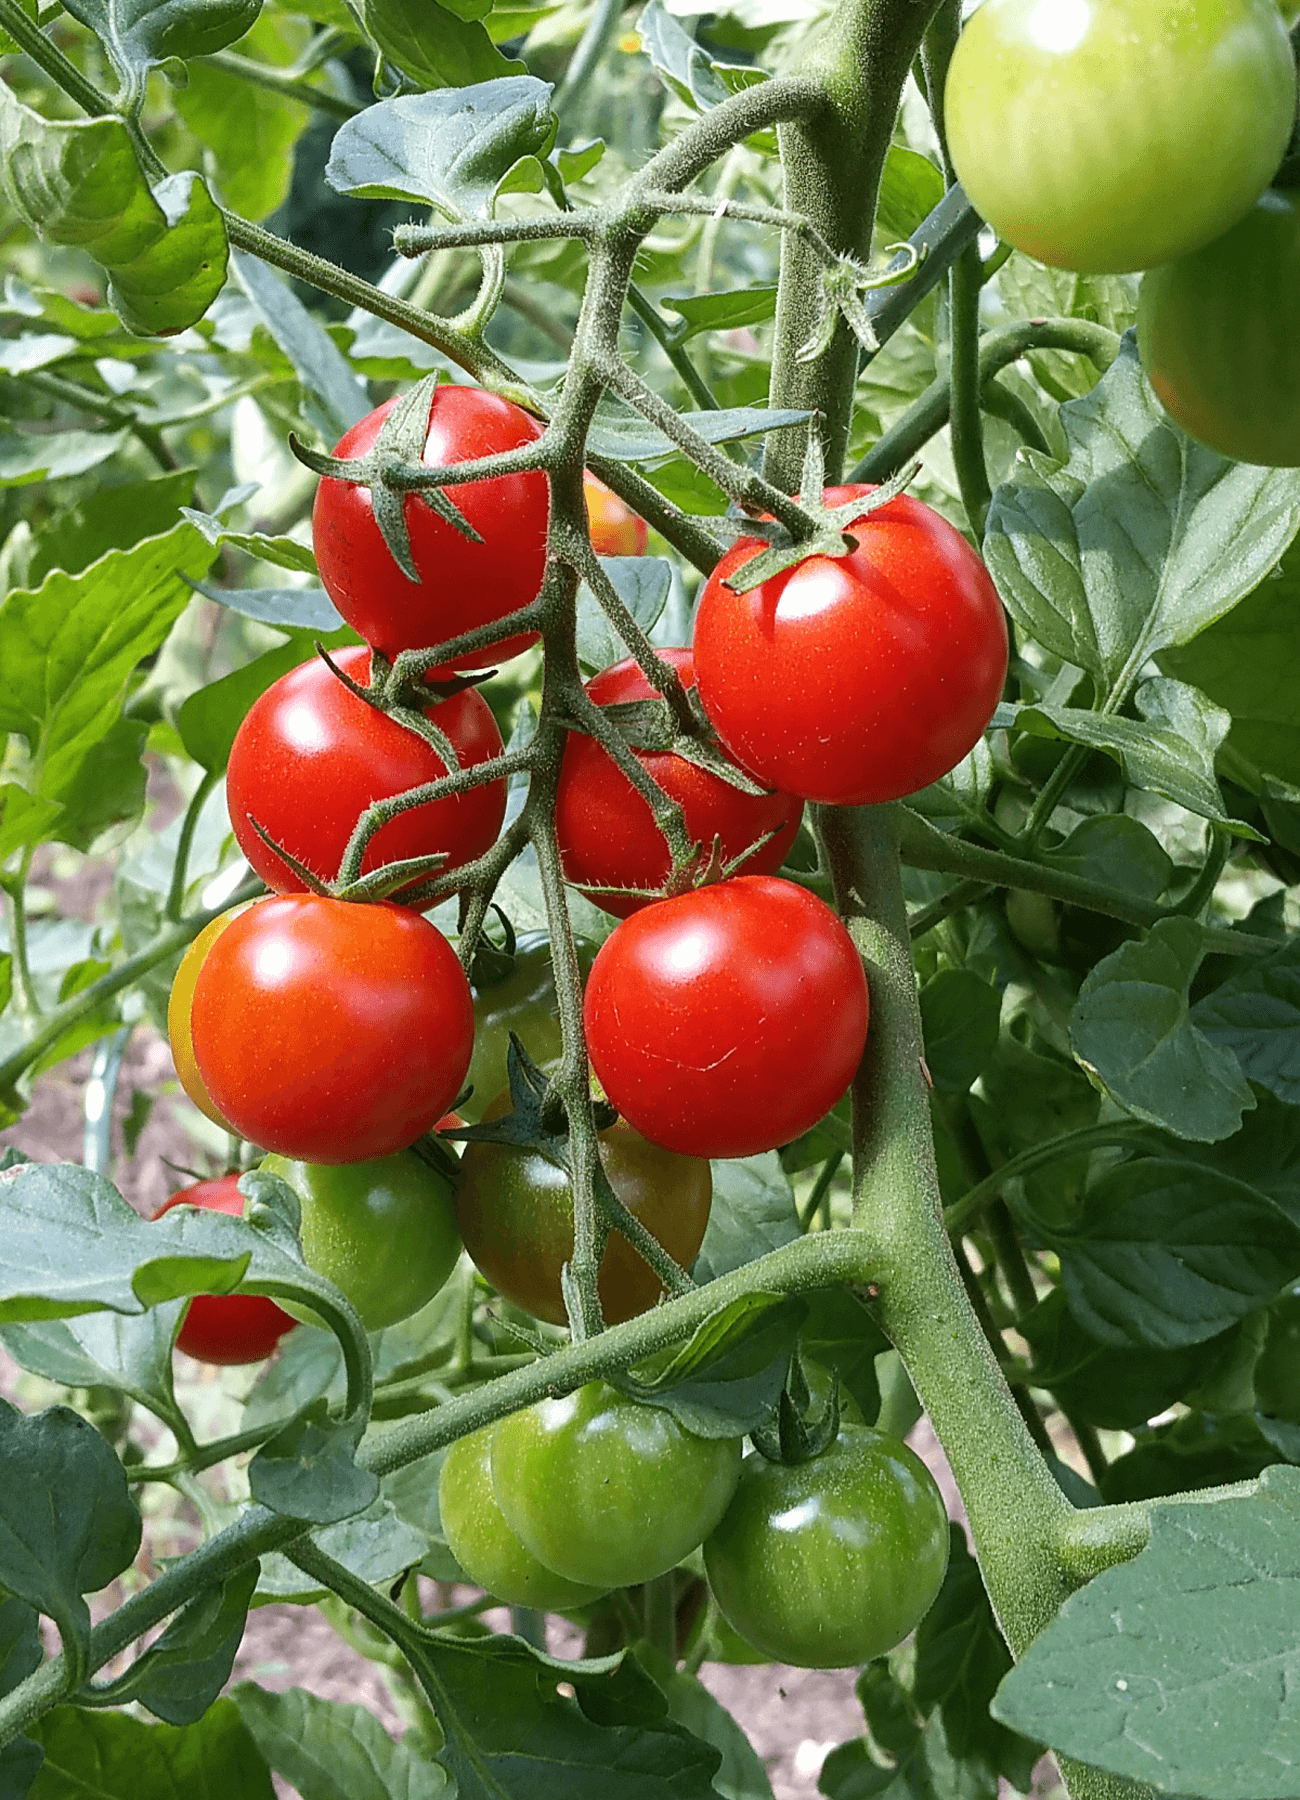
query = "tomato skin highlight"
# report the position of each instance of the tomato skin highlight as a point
(857, 679)
(606, 830)
(516, 1215)
(331, 1032)
(615, 530)
(1107, 135)
(383, 1231)
(829, 1563)
(608, 1492)
(484, 1545)
(180, 1004)
(462, 584)
(1219, 336)
(227, 1329)
(310, 757)
(728, 1020)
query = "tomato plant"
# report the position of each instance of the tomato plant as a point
(384, 1230)
(615, 528)
(311, 756)
(331, 1032)
(226, 1328)
(1277, 1373)
(1051, 108)
(484, 1545)
(523, 1002)
(834, 1560)
(607, 832)
(1217, 334)
(727, 1020)
(516, 1216)
(860, 678)
(464, 581)
(660, 1489)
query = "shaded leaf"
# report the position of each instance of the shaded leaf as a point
(130, 1353)
(433, 46)
(960, 1014)
(624, 436)
(111, 1756)
(317, 361)
(642, 584)
(330, 1750)
(182, 1672)
(1255, 1017)
(753, 1212)
(726, 311)
(309, 1471)
(138, 34)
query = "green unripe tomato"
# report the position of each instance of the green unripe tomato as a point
(383, 1231)
(1219, 336)
(1277, 1373)
(606, 1491)
(830, 1562)
(1105, 135)
(524, 1003)
(484, 1545)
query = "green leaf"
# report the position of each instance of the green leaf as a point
(960, 1014)
(841, 1334)
(1171, 752)
(910, 189)
(25, 459)
(727, 1379)
(1179, 1668)
(110, 518)
(297, 609)
(68, 1523)
(1113, 1388)
(140, 34)
(182, 1672)
(753, 1212)
(330, 1750)
(904, 1758)
(210, 718)
(9, 46)
(130, 1353)
(250, 133)
(309, 1471)
(1265, 1153)
(1132, 1030)
(1169, 1253)
(450, 149)
(284, 552)
(434, 47)
(24, 819)
(1253, 1016)
(317, 360)
(307, 1365)
(1140, 540)
(684, 68)
(624, 436)
(742, 1775)
(377, 1545)
(642, 584)
(1118, 851)
(1030, 290)
(726, 311)
(109, 1756)
(1194, 1451)
(106, 787)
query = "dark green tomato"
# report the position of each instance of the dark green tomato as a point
(516, 1215)
(1219, 336)
(606, 1491)
(383, 1231)
(828, 1563)
(524, 1003)
(484, 1545)
(1277, 1373)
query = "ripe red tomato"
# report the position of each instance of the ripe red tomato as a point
(515, 1212)
(462, 584)
(607, 833)
(310, 757)
(331, 1032)
(728, 1020)
(860, 678)
(615, 529)
(179, 1006)
(226, 1328)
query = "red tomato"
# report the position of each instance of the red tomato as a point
(462, 584)
(179, 1005)
(608, 836)
(859, 678)
(310, 757)
(331, 1032)
(728, 1020)
(615, 529)
(226, 1328)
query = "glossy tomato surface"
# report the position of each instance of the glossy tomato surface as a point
(310, 757)
(1219, 336)
(226, 1328)
(524, 1003)
(608, 1492)
(1104, 135)
(607, 832)
(615, 529)
(462, 584)
(516, 1216)
(331, 1032)
(384, 1231)
(831, 1562)
(179, 1005)
(484, 1545)
(860, 678)
(729, 1020)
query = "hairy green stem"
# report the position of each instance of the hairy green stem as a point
(965, 424)
(16, 895)
(696, 386)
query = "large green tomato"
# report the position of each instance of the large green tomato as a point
(830, 1562)
(606, 1491)
(1105, 135)
(524, 1003)
(1219, 335)
(383, 1231)
(484, 1545)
